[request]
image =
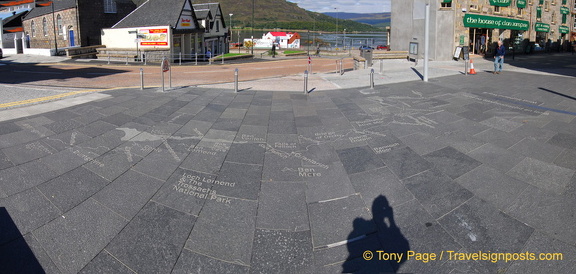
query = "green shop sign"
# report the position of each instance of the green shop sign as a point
(521, 4)
(542, 27)
(564, 29)
(501, 3)
(490, 22)
(446, 1)
(564, 10)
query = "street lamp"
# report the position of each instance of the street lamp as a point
(231, 33)
(252, 32)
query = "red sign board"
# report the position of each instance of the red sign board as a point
(165, 65)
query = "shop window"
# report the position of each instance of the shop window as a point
(110, 6)
(59, 24)
(520, 12)
(446, 4)
(44, 27)
(33, 28)
(497, 9)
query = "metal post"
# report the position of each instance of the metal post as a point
(180, 58)
(236, 80)
(382, 66)
(126, 60)
(426, 42)
(141, 79)
(145, 59)
(162, 71)
(170, 76)
(337, 67)
(306, 82)
(341, 68)
(108, 58)
(195, 58)
(372, 78)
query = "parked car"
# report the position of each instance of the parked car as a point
(382, 47)
(365, 47)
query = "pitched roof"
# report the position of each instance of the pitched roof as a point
(15, 3)
(276, 33)
(153, 13)
(203, 14)
(58, 5)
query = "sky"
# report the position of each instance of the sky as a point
(352, 6)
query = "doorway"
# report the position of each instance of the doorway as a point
(71, 37)
(479, 40)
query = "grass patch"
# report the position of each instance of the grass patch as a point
(230, 55)
(293, 51)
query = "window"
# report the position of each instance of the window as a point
(564, 19)
(44, 27)
(59, 24)
(496, 9)
(217, 26)
(446, 3)
(109, 6)
(564, 2)
(474, 8)
(520, 12)
(546, 5)
(33, 28)
(553, 17)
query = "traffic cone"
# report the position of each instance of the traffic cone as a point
(472, 70)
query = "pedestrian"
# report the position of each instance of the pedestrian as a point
(208, 54)
(273, 50)
(499, 58)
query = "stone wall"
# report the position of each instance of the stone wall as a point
(37, 37)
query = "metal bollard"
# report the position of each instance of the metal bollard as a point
(141, 79)
(195, 59)
(180, 58)
(145, 59)
(337, 67)
(108, 58)
(170, 76)
(306, 82)
(381, 66)
(372, 78)
(126, 60)
(341, 68)
(236, 80)
(222, 58)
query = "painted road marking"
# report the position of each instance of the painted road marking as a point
(47, 98)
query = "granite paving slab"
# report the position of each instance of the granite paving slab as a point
(129, 193)
(69, 190)
(537, 150)
(496, 157)
(451, 161)
(224, 230)
(152, 241)
(373, 183)
(19, 178)
(281, 251)
(330, 223)
(478, 226)
(404, 162)
(190, 261)
(29, 210)
(106, 263)
(65, 238)
(238, 180)
(359, 159)
(541, 244)
(437, 192)
(543, 175)
(276, 210)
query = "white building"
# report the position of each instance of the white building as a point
(283, 40)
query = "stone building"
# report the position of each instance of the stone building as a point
(523, 25)
(73, 22)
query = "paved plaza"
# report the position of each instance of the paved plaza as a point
(201, 179)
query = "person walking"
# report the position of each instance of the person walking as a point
(499, 58)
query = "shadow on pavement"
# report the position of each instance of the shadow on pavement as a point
(553, 63)
(18, 73)
(558, 93)
(393, 246)
(15, 254)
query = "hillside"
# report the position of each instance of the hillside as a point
(374, 19)
(281, 14)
